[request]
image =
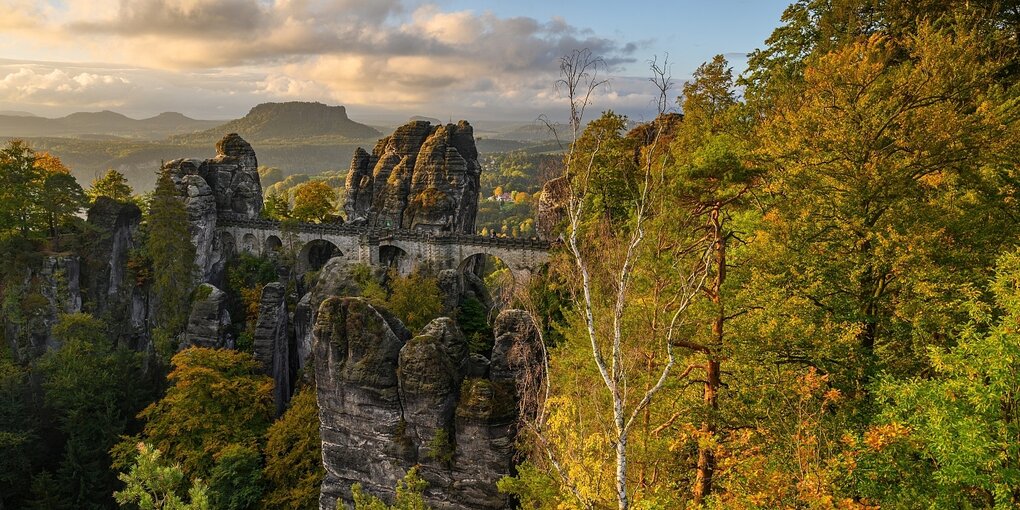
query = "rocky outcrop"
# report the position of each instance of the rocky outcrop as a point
(364, 434)
(335, 279)
(420, 177)
(105, 273)
(47, 287)
(209, 321)
(109, 287)
(271, 345)
(388, 402)
(225, 187)
(552, 205)
(201, 205)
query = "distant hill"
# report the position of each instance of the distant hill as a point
(289, 121)
(103, 124)
(16, 113)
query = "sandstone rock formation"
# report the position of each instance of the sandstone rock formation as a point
(109, 289)
(552, 205)
(271, 341)
(335, 279)
(225, 187)
(420, 177)
(388, 402)
(209, 321)
(364, 435)
(106, 273)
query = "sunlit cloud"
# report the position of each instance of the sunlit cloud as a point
(384, 54)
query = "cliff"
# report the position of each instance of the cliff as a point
(420, 177)
(388, 402)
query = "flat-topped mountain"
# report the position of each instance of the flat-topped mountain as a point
(291, 120)
(24, 125)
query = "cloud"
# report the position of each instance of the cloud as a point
(384, 53)
(31, 85)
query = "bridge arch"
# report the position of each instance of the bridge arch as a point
(227, 244)
(272, 246)
(496, 270)
(315, 253)
(250, 244)
(392, 255)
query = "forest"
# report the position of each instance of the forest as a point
(797, 287)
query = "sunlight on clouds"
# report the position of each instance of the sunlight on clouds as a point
(379, 53)
(56, 86)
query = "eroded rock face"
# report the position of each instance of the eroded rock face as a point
(552, 205)
(271, 345)
(105, 273)
(234, 177)
(420, 177)
(364, 435)
(225, 187)
(388, 402)
(335, 279)
(109, 289)
(209, 321)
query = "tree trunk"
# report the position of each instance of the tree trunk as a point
(706, 455)
(621, 472)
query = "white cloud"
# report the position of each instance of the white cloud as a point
(379, 54)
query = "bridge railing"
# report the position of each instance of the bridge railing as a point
(390, 233)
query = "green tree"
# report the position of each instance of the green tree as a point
(888, 165)
(18, 432)
(314, 201)
(709, 174)
(20, 188)
(151, 484)
(276, 207)
(64, 200)
(294, 455)
(949, 441)
(171, 254)
(91, 387)
(112, 184)
(409, 496)
(236, 481)
(414, 299)
(217, 398)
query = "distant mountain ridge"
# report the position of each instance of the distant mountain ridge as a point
(289, 121)
(105, 123)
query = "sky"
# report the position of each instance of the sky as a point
(382, 59)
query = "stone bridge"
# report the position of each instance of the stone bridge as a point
(314, 244)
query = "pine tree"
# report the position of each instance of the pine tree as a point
(171, 253)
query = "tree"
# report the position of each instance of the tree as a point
(408, 495)
(414, 299)
(712, 178)
(18, 432)
(151, 484)
(611, 199)
(91, 387)
(294, 455)
(169, 249)
(949, 441)
(236, 481)
(50, 164)
(314, 201)
(887, 169)
(20, 187)
(64, 199)
(276, 207)
(217, 398)
(112, 184)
